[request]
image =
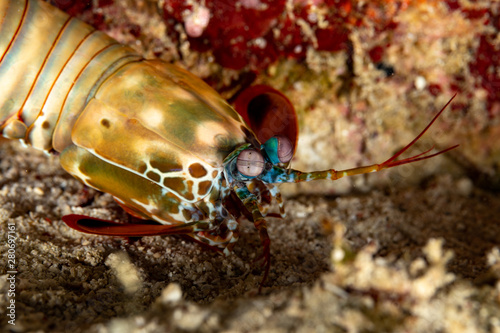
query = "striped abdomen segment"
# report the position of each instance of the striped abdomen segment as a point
(50, 67)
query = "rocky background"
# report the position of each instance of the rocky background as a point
(413, 249)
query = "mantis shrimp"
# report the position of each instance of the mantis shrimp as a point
(164, 144)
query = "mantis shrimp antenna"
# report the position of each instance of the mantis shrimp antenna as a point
(278, 175)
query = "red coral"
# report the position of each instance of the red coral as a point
(376, 53)
(254, 33)
(486, 64)
(486, 67)
(239, 32)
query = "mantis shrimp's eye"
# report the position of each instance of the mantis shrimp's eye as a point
(250, 163)
(285, 149)
(279, 149)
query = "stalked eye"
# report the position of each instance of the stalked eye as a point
(279, 149)
(285, 149)
(250, 163)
